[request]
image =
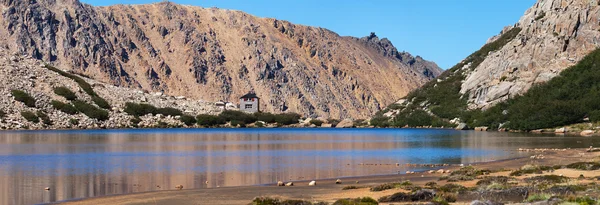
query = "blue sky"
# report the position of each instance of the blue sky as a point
(444, 31)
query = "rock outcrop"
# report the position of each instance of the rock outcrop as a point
(555, 34)
(215, 54)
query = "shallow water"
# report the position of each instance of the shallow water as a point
(80, 164)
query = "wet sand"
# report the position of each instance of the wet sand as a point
(328, 191)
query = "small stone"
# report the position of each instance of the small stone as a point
(47, 188)
(290, 184)
(338, 181)
(312, 183)
(280, 183)
(179, 187)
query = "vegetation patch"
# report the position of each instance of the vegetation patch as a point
(467, 173)
(64, 107)
(30, 116)
(209, 120)
(538, 197)
(547, 179)
(45, 118)
(66, 93)
(351, 187)
(530, 169)
(23, 97)
(272, 201)
(101, 102)
(87, 88)
(90, 110)
(357, 201)
(422, 195)
(316, 122)
(405, 185)
(73, 121)
(188, 120)
(452, 188)
(584, 166)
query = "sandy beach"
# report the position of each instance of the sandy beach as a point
(329, 191)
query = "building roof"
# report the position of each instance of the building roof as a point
(250, 95)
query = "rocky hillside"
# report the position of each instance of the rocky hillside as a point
(40, 100)
(214, 54)
(552, 36)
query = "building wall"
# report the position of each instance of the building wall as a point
(253, 105)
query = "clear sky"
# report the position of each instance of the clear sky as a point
(444, 31)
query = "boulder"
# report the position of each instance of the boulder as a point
(587, 133)
(290, 184)
(482, 129)
(462, 126)
(280, 183)
(324, 125)
(312, 183)
(561, 130)
(346, 123)
(338, 181)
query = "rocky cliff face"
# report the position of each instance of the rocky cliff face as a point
(214, 54)
(555, 34)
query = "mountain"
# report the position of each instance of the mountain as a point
(494, 82)
(214, 54)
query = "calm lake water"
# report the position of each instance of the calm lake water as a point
(80, 164)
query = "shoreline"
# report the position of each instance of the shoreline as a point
(326, 190)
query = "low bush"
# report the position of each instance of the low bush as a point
(209, 120)
(547, 179)
(90, 110)
(530, 169)
(64, 107)
(30, 116)
(350, 187)
(101, 102)
(142, 109)
(66, 93)
(265, 117)
(538, 197)
(87, 88)
(357, 201)
(237, 123)
(594, 116)
(23, 97)
(188, 120)
(287, 118)
(45, 118)
(238, 116)
(316, 122)
(452, 188)
(584, 166)
(169, 111)
(380, 121)
(272, 201)
(73, 121)
(135, 121)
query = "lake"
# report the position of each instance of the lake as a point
(81, 164)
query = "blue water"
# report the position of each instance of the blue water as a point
(79, 164)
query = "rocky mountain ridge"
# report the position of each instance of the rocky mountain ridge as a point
(214, 54)
(555, 34)
(491, 86)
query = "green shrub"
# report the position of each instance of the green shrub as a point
(135, 121)
(584, 165)
(101, 102)
(90, 110)
(209, 120)
(538, 197)
(30, 116)
(23, 97)
(357, 201)
(74, 121)
(236, 123)
(316, 122)
(333, 122)
(594, 116)
(231, 115)
(188, 120)
(259, 124)
(380, 121)
(452, 188)
(161, 124)
(287, 118)
(87, 88)
(169, 111)
(63, 107)
(272, 201)
(45, 118)
(135, 109)
(66, 93)
(265, 117)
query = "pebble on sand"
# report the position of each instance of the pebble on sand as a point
(312, 183)
(338, 181)
(179, 187)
